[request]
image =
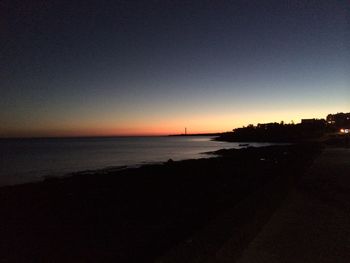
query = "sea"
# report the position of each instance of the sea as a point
(29, 160)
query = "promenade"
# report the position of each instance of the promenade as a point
(313, 225)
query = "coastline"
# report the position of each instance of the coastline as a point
(33, 160)
(137, 214)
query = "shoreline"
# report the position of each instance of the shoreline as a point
(112, 169)
(137, 214)
(105, 170)
(11, 177)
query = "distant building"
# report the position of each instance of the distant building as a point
(271, 125)
(312, 121)
(339, 120)
(313, 124)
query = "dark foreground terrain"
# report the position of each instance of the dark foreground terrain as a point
(140, 215)
(312, 224)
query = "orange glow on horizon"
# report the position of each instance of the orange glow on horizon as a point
(195, 124)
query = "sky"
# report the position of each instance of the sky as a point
(154, 67)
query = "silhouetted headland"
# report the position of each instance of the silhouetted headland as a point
(307, 129)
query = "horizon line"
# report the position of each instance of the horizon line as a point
(105, 136)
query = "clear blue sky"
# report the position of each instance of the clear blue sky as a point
(155, 67)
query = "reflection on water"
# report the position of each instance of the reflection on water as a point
(31, 159)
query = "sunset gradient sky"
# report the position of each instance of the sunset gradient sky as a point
(94, 68)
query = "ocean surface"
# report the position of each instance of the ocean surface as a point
(27, 160)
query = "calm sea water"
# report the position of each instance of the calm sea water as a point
(29, 160)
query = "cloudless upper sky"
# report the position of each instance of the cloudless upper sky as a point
(154, 67)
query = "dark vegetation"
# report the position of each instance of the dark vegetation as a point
(136, 215)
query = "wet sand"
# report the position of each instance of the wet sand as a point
(149, 213)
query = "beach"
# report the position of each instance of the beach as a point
(145, 214)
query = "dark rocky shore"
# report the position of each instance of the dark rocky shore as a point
(140, 215)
